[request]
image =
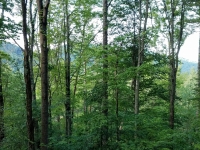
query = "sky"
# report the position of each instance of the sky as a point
(189, 50)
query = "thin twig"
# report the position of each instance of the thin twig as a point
(14, 41)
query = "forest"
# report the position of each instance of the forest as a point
(94, 74)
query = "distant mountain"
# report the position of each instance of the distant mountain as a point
(186, 66)
(15, 53)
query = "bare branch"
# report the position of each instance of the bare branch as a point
(110, 3)
(14, 41)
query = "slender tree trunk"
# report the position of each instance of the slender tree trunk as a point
(117, 100)
(198, 111)
(172, 69)
(1, 106)
(27, 78)
(134, 55)
(198, 80)
(139, 61)
(174, 56)
(2, 134)
(172, 93)
(33, 81)
(104, 136)
(85, 90)
(140, 55)
(43, 13)
(68, 110)
(32, 40)
(141, 45)
(173, 53)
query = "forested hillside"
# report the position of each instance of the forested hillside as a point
(186, 66)
(15, 54)
(98, 75)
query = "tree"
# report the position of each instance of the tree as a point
(1, 105)
(67, 53)
(141, 48)
(174, 27)
(107, 92)
(2, 20)
(27, 78)
(8, 27)
(104, 135)
(1, 89)
(43, 14)
(198, 78)
(198, 73)
(5, 6)
(176, 36)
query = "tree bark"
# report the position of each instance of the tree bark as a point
(139, 61)
(198, 88)
(175, 44)
(1, 106)
(2, 134)
(141, 45)
(43, 13)
(173, 55)
(104, 136)
(33, 81)
(27, 78)
(32, 40)
(117, 100)
(68, 110)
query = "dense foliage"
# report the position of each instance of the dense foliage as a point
(102, 94)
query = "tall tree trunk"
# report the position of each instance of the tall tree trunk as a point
(31, 41)
(117, 100)
(85, 90)
(33, 82)
(2, 134)
(141, 45)
(68, 110)
(104, 136)
(172, 75)
(1, 106)
(43, 13)
(173, 69)
(172, 92)
(134, 55)
(198, 88)
(199, 67)
(140, 55)
(27, 78)
(139, 61)
(173, 55)
(173, 52)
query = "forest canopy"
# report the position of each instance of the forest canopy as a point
(97, 74)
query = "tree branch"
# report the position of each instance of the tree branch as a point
(110, 3)
(14, 41)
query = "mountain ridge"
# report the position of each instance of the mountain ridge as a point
(187, 66)
(16, 53)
